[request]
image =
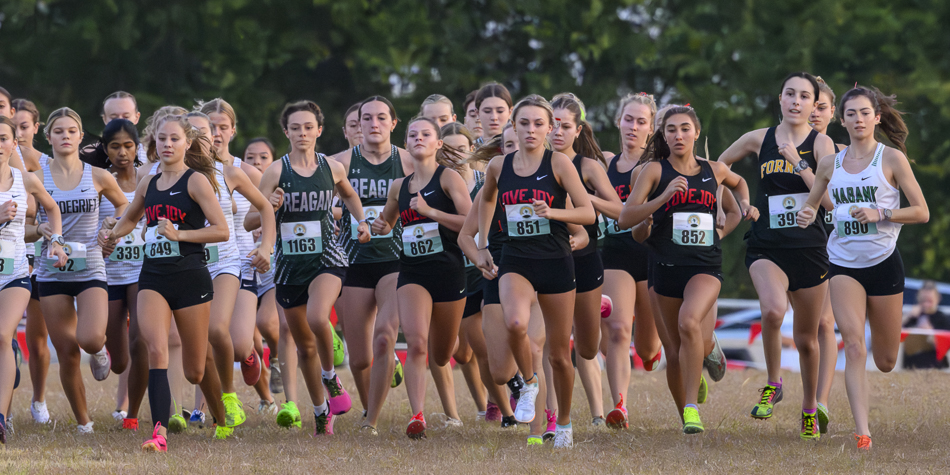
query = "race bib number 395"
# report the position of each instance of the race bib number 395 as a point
(693, 229)
(783, 210)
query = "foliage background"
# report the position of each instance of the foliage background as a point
(725, 57)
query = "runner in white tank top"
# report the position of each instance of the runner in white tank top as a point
(867, 274)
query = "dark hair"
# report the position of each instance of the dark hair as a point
(119, 125)
(263, 140)
(352, 109)
(493, 89)
(23, 105)
(469, 98)
(657, 149)
(392, 109)
(119, 95)
(805, 76)
(585, 144)
(300, 106)
(892, 125)
(4, 92)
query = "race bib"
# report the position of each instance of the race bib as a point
(522, 222)
(157, 245)
(469, 263)
(371, 213)
(829, 217)
(846, 226)
(129, 248)
(693, 229)
(783, 210)
(300, 238)
(421, 240)
(7, 257)
(613, 227)
(211, 253)
(76, 252)
(38, 247)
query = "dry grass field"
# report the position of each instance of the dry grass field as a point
(910, 415)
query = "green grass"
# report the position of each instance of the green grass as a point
(910, 421)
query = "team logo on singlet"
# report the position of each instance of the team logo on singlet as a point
(693, 221)
(68, 249)
(300, 230)
(526, 212)
(789, 202)
(418, 232)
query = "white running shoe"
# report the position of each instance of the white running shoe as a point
(449, 422)
(715, 362)
(119, 416)
(85, 428)
(524, 412)
(39, 412)
(100, 364)
(564, 438)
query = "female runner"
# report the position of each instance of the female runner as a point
(867, 274)
(533, 184)
(430, 304)
(788, 264)
(305, 182)
(438, 108)
(679, 192)
(370, 284)
(182, 214)
(15, 283)
(75, 298)
(471, 120)
(351, 125)
(493, 102)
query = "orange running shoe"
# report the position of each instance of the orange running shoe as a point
(864, 442)
(617, 418)
(417, 427)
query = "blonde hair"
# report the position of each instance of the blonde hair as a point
(450, 157)
(217, 106)
(638, 98)
(437, 99)
(197, 157)
(59, 114)
(151, 125)
(536, 101)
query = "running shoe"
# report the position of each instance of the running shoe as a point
(515, 385)
(450, 422)
(809, 427)
(598, 421)
(535, 441)
(289, 416)
(197, 417)
(715, 361)
(771, 395)
(85, 428)
(324, 423)
(606, 306)
(276, 383)
(864, 442)
(119, 416)
(653, 364)
(130, 424)
(564, 437)
(691, 422)
(339, 351)
(337, 397)
(100, 364)
(222, 432)
(369, 430)
(177, 424)
(233, 410)
(508, 421)
(551, 426)
(823, 416)
(18, 358)
(703, 390)
(617, 418)
(492, 412)
(524, 411)
(417, 427)
(251, 369)
(39, 412)
(397, 373)
(267, 407)
(157, 443)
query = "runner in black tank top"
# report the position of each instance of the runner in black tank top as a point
(788, 264)
(680, 194)
(175, 281)
(532, 185)
(431, 273)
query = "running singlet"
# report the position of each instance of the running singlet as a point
(592, 232)
(176, 206)
(125, 263)
(13, 262)
(424, 241)
(220, 255)
(371, 182)
(79, 208)
(779, 196)
(829, 215)
(853, 244)
(529, 235)
(305, 240)
(684, 228)
(614, 236)
(473, 276)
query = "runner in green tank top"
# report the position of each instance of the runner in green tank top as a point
(367, 305)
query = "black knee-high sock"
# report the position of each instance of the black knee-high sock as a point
(159, 396)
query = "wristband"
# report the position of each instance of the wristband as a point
(888, 213)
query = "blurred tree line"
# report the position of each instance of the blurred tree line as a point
(724, 57)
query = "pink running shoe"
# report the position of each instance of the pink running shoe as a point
(551, 428)
(492, 412)
(606, 306)
(157, 443)
(337, 397)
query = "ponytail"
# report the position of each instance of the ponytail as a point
(197, 157)
(490, 149)
(584, 144)
(892, 126)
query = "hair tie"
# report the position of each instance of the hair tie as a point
(583, 114)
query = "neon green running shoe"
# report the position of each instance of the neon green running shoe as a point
(703, 390)
(823, 417)
(809, 427)
(771, 395)
(288, 416)
(339, 353)
(691, 422)
(177, 424)
(535, 441)
(221, 432)
(397, 374)
(233, 410)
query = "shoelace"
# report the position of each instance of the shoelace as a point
(552, 416)
(768, 392)
(322, 421)
(333, 387)
(808, 423)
